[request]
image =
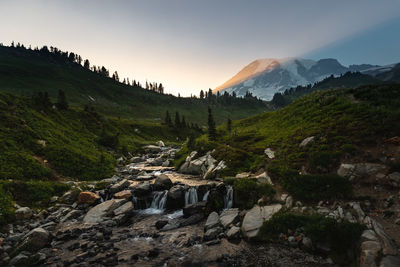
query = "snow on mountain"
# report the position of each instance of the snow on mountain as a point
(264, 77)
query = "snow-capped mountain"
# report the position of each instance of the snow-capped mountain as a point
(264, 77)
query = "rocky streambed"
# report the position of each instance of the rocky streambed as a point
(150, 215)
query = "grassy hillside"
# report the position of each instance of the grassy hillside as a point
(342, 121)
(77, 142)
(24, 72)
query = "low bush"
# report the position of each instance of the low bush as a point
(248, 191)
(317, 187)
(6, 206)
(34, 193)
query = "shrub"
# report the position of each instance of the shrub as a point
(317, 187)
(34, 193)
(20, 165)
(6, 205)
(247, 192)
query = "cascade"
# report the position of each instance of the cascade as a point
(228, 199)
(191, 196)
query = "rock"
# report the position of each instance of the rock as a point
(215, 200)
(270, 154)
(346, 170)
(23, 213)
(166, 163)
(73, 214)
(233, 233)
(162, 182)
(289, 202)
(99, 212)
(228, 217)
(34, 240)
(212, 233)
(388, 246)
(152, 149)
(160, 143)
(369, 235)
(20, 260)
(213, 170)
(88, 197)
(212, 221)
(171, 225)
(141, 189)
(360, 170)
(255, 217)
(243, 175)
(70, 196)
(307, 141)
(161, 223)
(125, 209)
(124, 194)
(119, 186)
(307, 243)
(390, 261)
(263, 178)
(394, 178)
(136, 160)
(369, 253)
(195, 208)
(195, 218)
(176, 197)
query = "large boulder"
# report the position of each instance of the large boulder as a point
(162, 182)
(119, 186)
(212, 233)
(124, 194)
(176, 197)
(23, 213)
(212, 221)
(33, 241)
(100, 212)
(88, 197)
(141, 189)
(229, 216)
(195, 208)
(255, 217)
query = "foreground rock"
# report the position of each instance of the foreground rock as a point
(88, 197)
(100, 212)
(255, 217)
(23, 213)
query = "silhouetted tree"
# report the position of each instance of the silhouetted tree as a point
(229, 125)
(168, 119)
(62, 103)
(177, 120)
(86, 64)
(212, 132)
(201, 94)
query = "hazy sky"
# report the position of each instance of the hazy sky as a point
(190, 45)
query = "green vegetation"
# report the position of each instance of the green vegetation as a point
(26, 72)
(34, 193)
(341, 120)
(247, 192)
(75, 142)
(6, 205)
(341, 237)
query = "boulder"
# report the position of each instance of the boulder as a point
(307, 141)
(243, 175)
(212, 233)
(23, 213)
(100, 212)
(161, 223)
(346, 170)
(255, 217)
(195, 208)
(125, 209)
(176, 197)
(233, 233)
(213, 170)
(360, 170)
(21, 259)
(171, 225)
(88, 197)
(70, 196)
(33, 241)
(388, 246)
(229, 216)
(160, 143)
(73, 214)
(124, 194)
(119, 186)
(141, 189)
(212, 221)
(390, 261)
(270, 154)
(195, 218)
(162, 182)
(263, 178)
(369, 253)
(215, 200)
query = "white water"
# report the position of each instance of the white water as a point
(205, 197)
(159, 200)
(191, 196)
(228, 199)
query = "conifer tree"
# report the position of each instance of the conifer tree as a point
(212, 132)
(177, 120)
(62, 103)
(229, 125)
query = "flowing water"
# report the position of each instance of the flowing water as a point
(228, 199)
(191, 196)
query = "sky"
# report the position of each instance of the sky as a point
(190, 45)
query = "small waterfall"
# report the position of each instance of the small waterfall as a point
(205, 197)
(228, 199)
(191, 196)
(159, 200)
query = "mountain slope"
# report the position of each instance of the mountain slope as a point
(25, 72)
(264, 77)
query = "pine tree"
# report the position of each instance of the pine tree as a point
(62, 103)
(212, 132)
(201, 94)
(177, 120)
(168, 120)
(183, 122)
(86, 64)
